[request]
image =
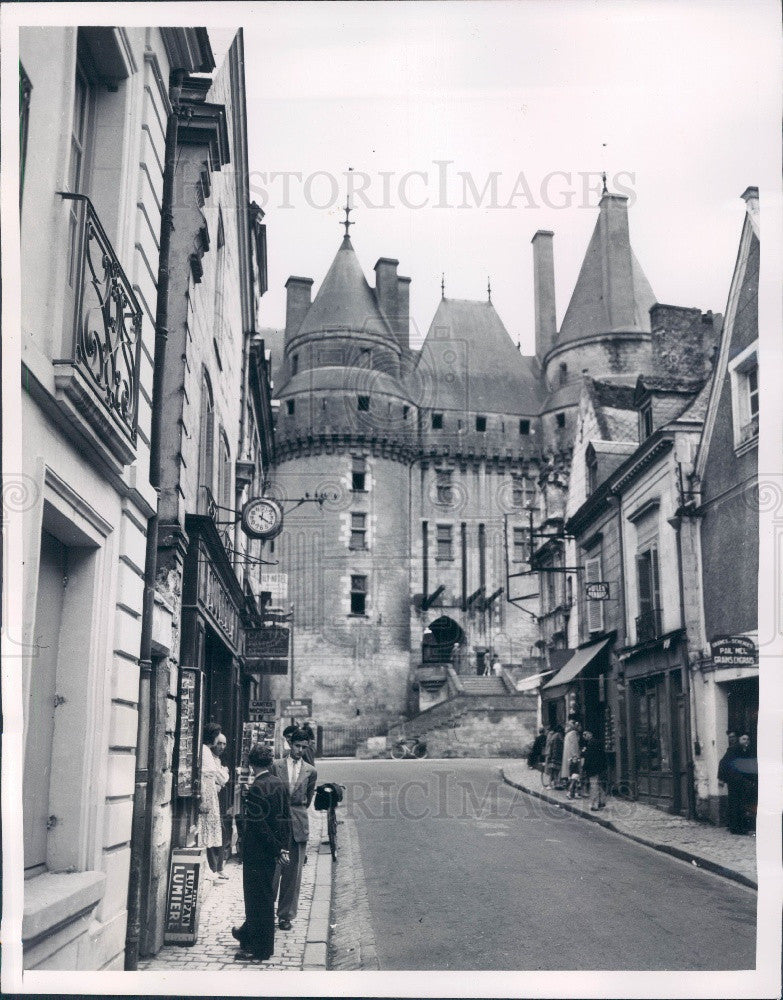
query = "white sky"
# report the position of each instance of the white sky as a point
(680, 92)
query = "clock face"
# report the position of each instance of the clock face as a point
(262, 518)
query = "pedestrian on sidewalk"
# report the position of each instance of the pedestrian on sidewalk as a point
(571, 753)
(554, 753)
(299, 778)
(265, 845)
(738, 768)
(537, 750)
(213, 777)
(594, 763)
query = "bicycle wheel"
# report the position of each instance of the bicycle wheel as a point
(398, 751)
(331, 826)
(420, 751)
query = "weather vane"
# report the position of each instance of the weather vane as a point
(443, 285)
(346, 222)
(489, 291)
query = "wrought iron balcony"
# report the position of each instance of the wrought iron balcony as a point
(648, 626)
(99, 374)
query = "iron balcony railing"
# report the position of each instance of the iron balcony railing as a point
(648, 626)
(105, 329)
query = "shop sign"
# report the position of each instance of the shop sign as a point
(215, 597)
(734, 651)
(187, 741)
(266, 650)
(296, 708)
(262, 711)
(184, 900)
(277, 585)
(597, 591)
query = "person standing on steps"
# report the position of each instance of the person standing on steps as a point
(299, 778)
(265, 846)
(213, 777)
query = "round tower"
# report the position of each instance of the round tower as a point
(346, 432)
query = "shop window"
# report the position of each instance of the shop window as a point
(595, 609)
(363, 404)
(519, 545)
(437, 421)
(444, 541)
(443, 487)
(481, 424)
(358, 531)
(744, 375)
(524, 427)
(648, 621)
(358, 595)
(359, 476)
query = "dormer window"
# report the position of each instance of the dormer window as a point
(645, 420)
(437, 421)
(481, 424)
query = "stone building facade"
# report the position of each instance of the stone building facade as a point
(433, 463)
(94, 126)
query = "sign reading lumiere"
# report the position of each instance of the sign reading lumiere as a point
(266, 649)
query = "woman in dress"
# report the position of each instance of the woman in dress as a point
(213, 777)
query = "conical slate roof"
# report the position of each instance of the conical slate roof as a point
(469, 362)
(345, 301)
(612, 292)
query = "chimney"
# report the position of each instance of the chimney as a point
(682, 341)
(386, 289)
(403, 311)
(297, 303)
(544, 291)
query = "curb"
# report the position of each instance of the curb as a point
(675, 852)
(317, 940)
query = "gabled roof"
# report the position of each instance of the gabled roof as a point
(345, 301)
(611, 292)
(696, 410)
(468, 362)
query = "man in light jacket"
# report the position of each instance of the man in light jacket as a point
(299, 777)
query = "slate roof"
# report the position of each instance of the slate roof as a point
(612, 292)
(345, 301)
(615, 410)
(469, 362)
(696, 410)
(339, 378)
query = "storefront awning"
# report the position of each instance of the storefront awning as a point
(573, 668)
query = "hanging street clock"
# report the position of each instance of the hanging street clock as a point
(262, 517)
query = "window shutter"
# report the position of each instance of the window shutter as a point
(595, 609)
(644, 582)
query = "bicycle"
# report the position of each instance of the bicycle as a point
(402, 749)
(327, 798)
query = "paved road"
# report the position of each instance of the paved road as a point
(464, 872)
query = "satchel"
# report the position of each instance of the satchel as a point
(327, 796)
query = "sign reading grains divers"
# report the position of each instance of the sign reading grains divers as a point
(734, 651)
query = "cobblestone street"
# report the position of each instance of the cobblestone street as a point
(707, 846)
(224, 908)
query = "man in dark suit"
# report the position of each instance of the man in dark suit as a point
(299, 777)
(267, 835)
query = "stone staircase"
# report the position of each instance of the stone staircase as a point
(482, 685)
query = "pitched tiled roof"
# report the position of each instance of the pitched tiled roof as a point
(345, 301)
(469, 362)
(611, 292)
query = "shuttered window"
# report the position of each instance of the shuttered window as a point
(595, 609)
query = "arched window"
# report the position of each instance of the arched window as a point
(206, 470)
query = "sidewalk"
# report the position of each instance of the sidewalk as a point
(303, 947)
(709, 847)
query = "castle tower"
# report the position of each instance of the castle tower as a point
(605, 331)
(346, 429)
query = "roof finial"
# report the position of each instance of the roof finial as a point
(443, 285)
(346, 222)
(489, 290)
(605, 189)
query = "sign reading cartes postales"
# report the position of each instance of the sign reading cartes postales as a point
(734, 651)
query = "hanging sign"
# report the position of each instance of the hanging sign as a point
(266, 649)
(597, 591)
(296, 708)
(184, 900)
(262, 711)
(734, 651)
